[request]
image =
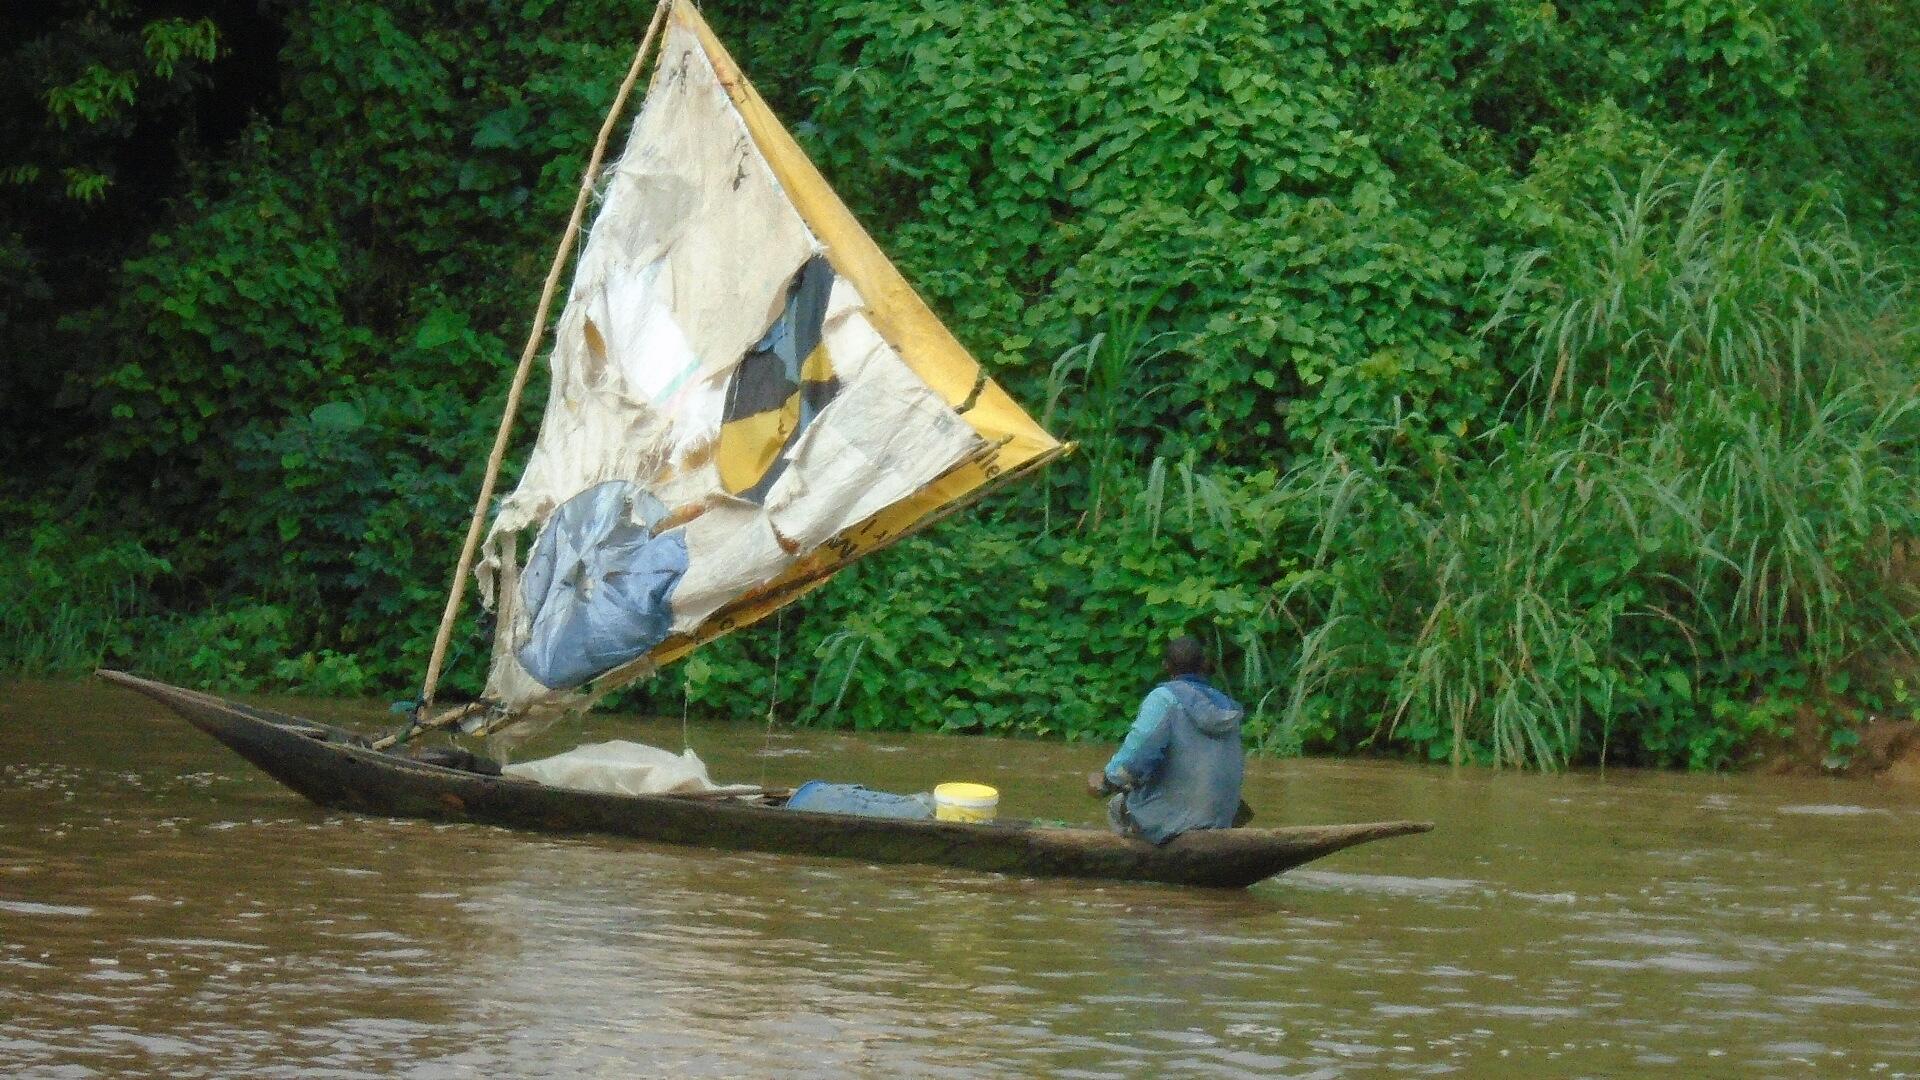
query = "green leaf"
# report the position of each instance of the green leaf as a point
(503, 128)
(442, 326)
(1679, 683)
(340, 416)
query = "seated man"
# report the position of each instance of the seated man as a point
(1180, 767)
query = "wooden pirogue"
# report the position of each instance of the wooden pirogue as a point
(334, 768)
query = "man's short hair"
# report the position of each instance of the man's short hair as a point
(1185, 656)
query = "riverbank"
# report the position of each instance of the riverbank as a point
(1879, 749)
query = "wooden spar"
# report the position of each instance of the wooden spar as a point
(786, 591)
(721, 622)
(734, 793)
(560, 256)
(446, 719)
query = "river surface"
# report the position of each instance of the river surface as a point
(167, 911)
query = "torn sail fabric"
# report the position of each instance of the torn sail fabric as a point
(599, 585)
(778, 388)
(734, 346)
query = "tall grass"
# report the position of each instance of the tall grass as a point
(79, 594)
(68, 599)
(1109, 380)
(1711, 455)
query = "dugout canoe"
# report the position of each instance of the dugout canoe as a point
(333, 767)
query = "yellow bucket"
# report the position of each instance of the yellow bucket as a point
(965, 802)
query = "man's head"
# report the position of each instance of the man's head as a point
(1184, 656)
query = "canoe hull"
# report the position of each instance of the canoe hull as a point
(325, 764)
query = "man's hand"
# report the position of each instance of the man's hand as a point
(1097, 784)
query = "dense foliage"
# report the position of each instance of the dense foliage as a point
(1498, 381)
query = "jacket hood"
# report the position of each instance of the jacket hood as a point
(1213, 713)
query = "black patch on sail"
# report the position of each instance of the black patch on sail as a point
(760, 384)
(777, 389)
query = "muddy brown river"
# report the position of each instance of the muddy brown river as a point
(167, 911)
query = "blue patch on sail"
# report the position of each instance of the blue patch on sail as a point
(599, 585)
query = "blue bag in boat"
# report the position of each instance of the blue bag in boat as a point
(821, 797)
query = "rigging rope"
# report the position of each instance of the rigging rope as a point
(773, 697)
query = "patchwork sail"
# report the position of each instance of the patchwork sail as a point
(746, 396)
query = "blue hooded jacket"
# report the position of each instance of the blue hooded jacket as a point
(1181, 765)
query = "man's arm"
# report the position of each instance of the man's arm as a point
(1139, 757)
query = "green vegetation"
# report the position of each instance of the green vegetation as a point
(1506, 382)
(1693, 515)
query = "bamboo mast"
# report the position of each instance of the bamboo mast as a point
(478, 522)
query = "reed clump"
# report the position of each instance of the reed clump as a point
(67, 605)
(1684, 527)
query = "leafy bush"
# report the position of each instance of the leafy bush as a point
(71, 597)
(1688, 524)
(1444, 461)
(989, 624)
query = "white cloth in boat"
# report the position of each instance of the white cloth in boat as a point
(623, 768)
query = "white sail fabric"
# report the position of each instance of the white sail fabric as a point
(716, 382)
